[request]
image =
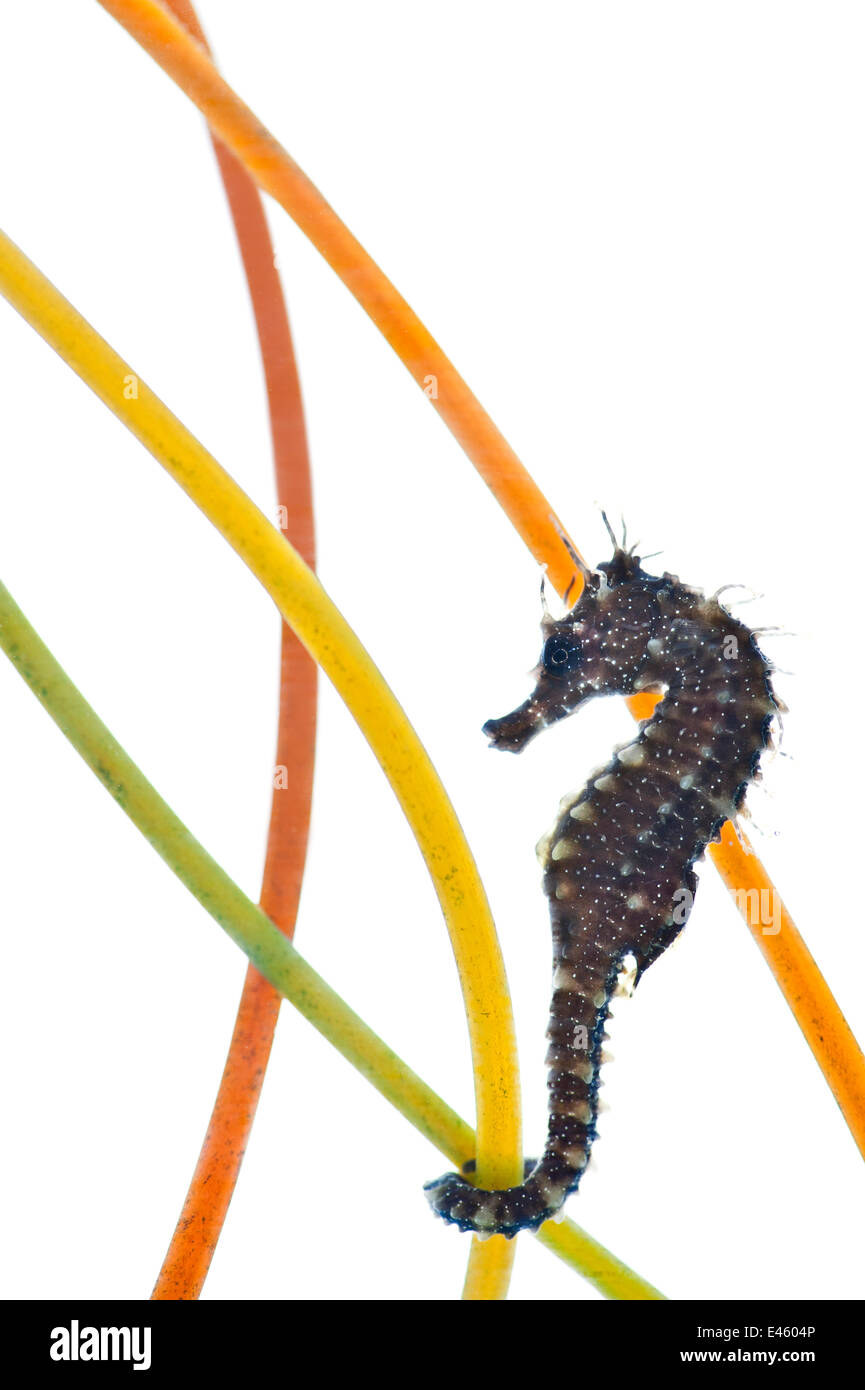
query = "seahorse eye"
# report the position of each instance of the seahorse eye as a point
(561, 655)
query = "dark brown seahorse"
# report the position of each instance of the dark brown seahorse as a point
(619, 862)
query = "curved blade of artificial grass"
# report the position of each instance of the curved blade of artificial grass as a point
(273, 169)
(187, 1260)
(326, 635)
(269, 950)
(798, 977)
(825, 1029)
(203, 1215)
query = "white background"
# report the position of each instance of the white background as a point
(637, 230)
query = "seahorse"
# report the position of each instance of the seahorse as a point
(618, 865)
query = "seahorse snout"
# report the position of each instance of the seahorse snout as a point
(512, 732)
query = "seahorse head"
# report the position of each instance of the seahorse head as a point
(599, 647)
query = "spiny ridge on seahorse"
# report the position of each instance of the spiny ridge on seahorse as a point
(619, 862)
